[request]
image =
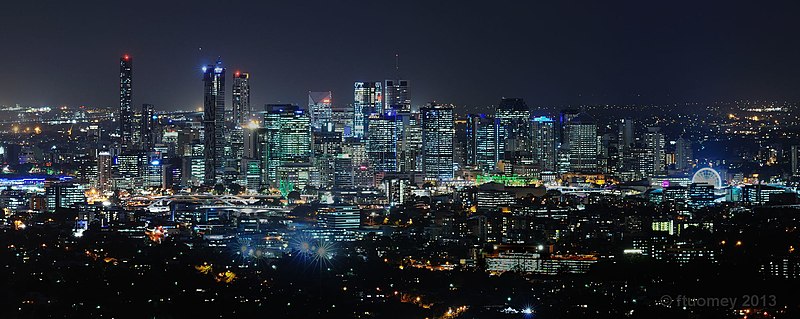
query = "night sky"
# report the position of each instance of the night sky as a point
(463, 52)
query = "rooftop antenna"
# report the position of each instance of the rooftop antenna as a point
(397, 65)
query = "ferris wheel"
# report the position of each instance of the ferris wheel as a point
(707, 176)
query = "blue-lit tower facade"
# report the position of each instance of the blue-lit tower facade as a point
(482, 142)
(438, 132)
(382, 141)
(513, 117)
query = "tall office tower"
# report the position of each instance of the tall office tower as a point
(270, 144)
(344, 172)
(513, 116)
(382, 142)
(234, 150)
(409, 143)
(460, 142)
(241, 116)
(125, 111)
(295, 136)
(482, 142)
(684, 156)
(241, 98)
(626, 138)
(397, 98)
(368, 99)
(607, 154)
(580, 135)
(250, 164)
(342, 117)
(397, 95)
(327, 145)
(148, 123)
(287, 139)
(543, 131)
(152, 172)
(437, 141)
(128, 169)
(214, 122)
(194, 163)
(319, 109)
(637, 162)
(655, 141)
(564, 117)
(251, 145)
(356, 149)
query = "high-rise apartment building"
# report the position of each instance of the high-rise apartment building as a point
(214, 121)
(125, 107)
(242, 112)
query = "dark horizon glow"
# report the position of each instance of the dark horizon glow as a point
(66, 53)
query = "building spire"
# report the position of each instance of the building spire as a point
(397, 65)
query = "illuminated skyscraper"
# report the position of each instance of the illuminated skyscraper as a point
(626, 138)
(543, 131)
(214, 121)
(409, 141)
(382, 142)
(437, 141)
(64, 195)
(287, 139)
(327, 145)
(684, 157)
(342, 117)
(104, 171)
(368, 99)
(581, 144)
(241, 98)
(655, 141)
(319, 109)
(125, 111)
(482, 150)
(148, 123)
(513, 118)
(397, 95)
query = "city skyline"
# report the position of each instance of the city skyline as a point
(561, 54)
(404, 159)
